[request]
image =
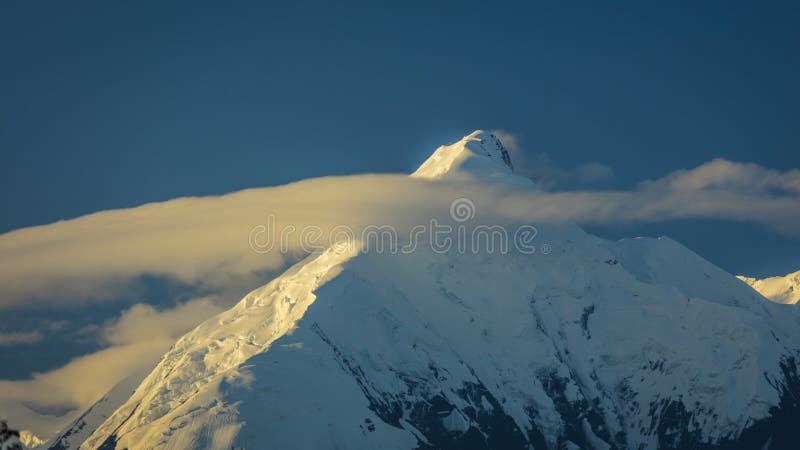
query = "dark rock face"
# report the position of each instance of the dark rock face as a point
(672, 420)
(781, 429)
(487, 426)
(9, 439)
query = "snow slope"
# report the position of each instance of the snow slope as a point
(785, 289)
(74, 434)
(632, 344)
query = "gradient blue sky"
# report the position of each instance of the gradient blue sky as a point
(113, 105)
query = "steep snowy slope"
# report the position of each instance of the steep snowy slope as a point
(75, 433)
(785, 289)
(595, 344)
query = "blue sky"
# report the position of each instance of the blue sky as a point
(110, 105)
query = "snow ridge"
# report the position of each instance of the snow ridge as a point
(200, 359)
(785, 289)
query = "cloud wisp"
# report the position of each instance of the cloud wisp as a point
(204, 241)
(23, 337)
(719, 189)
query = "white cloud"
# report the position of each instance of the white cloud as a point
(194, 240)
(719, 189)
(205, 241)
(142, 322)
(723, 175)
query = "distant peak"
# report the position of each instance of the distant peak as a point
(785, 289)
(478, 156)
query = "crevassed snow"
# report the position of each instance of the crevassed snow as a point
(785, 289)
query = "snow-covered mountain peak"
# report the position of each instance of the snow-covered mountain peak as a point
(588, 343)
(478, 156)
(785, 289)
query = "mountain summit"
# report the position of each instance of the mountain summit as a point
(478, 156)
(634, 344)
